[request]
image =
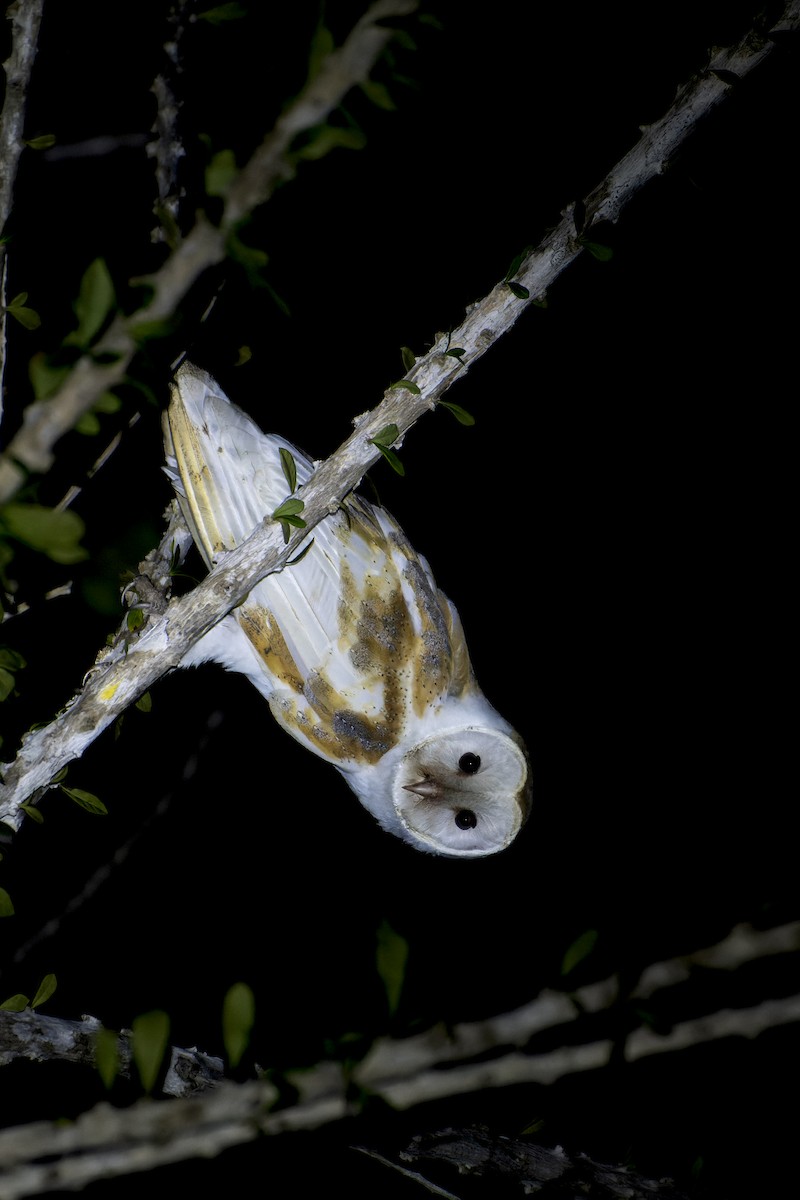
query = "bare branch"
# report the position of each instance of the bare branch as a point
(40, 1038)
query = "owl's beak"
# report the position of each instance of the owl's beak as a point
(427, 788)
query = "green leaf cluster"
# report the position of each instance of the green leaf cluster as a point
(288, 515)
(19, 1002)
(19, 310)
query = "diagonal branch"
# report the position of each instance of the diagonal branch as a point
(118, 678)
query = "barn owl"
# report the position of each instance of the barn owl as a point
(359, 655)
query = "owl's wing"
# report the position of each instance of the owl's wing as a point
(354, 639)
(226, 473)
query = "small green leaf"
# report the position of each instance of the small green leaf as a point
(519, 291)
(93, 306)
(580, 949)
(149, 1041)
(244, 355)
(45, 379)
(322, 45)
(108, 403)
(391, 958)
(516, 263)
(44, 991)
(62, 774)
(325, 138)
(43, 142)
(33, 813)
(408, 356)
(290, 508)
(386, 436)
(378, 93)
(145, 702)
(88, 425)
(6, 905)
(86, 800)
(286, 513)
(252, 258)
(456, 352)
(289, 468)
(407, 384)
(106, 1056)
(7, 683)
(54, 533)
(148, 331)
(135, 619)
(17, 1003)
(222, 13)
(238, 1015)
(220, 173)
(598, 251)
(12, 660)
(392, 459)
(460, 414)
(27, 317)
(382, 441)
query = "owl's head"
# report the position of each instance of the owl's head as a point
(463, 792)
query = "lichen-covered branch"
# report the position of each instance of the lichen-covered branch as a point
(118, 680)
(405, 1072)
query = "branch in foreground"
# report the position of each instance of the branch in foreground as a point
(39, 1038)
(107, 1142)
(46, 421)
(117, 682)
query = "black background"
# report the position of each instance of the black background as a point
(613, 531)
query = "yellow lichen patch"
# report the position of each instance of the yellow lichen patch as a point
(107, 693)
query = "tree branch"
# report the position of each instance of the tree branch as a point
(121, 676)
(403, 1072)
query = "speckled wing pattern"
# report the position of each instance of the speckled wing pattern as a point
(355, 645)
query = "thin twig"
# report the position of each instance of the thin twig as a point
(25, 17)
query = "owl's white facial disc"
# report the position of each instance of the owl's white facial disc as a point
(463, 792)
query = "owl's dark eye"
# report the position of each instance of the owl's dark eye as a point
(466, 819)
(469, 763)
